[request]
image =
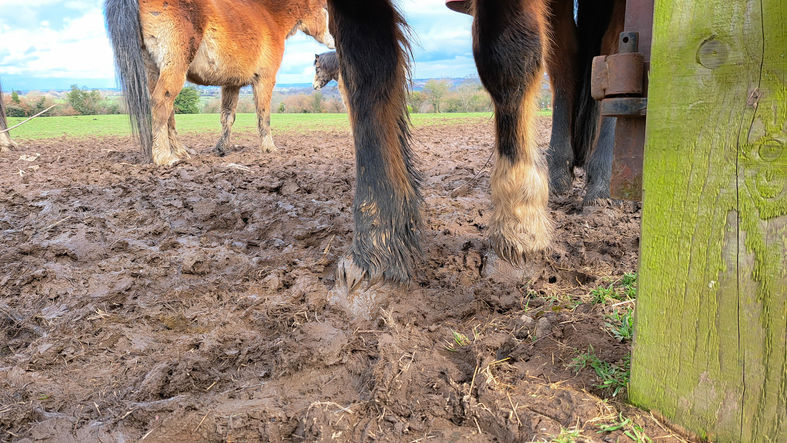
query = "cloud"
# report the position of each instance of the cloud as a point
(61, 40)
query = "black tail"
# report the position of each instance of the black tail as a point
(3, 123)
(125, 33)
(592, 22)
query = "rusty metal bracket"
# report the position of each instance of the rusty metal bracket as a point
(619, 82)
(621, 74)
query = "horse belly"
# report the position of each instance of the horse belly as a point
(220, 64)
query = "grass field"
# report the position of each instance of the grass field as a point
(118, 125)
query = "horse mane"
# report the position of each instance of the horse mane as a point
(329, 62)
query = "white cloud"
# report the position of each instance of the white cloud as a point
(67, 39)
(79, 49)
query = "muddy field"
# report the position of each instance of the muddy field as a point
(194, 302)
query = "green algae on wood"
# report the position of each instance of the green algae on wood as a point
(709, 351)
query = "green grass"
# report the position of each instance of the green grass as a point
(621, 323)
(622, 289)
(611, 376)
(629, 428)
(567, 435)
(118, 125)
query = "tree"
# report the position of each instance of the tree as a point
(187, 102)
(15, 97)
(435, 90)
(417, 100)
(316, 102)
(83, 102)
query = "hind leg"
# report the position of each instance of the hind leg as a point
(174, 142)
(563, 73)
(598, 168)
(229, 103)
(510, 37)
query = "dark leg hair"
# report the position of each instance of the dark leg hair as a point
(373, 55)
(510, 37)
(598, 169)
(592, 22)
(563, 73)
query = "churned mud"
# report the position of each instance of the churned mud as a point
(193, 302)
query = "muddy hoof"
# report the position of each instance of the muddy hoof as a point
(560, 182)
(219, 151)
(501, 271)
(595, 197)
(355, 293)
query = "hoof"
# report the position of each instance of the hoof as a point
(219, 151)
(515, 242)
(560, 181)
(501, 271)
(269, 148)
(354, 292)
(6, 144)
(595, 196)
(168, 159)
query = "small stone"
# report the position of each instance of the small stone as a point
(543, 327)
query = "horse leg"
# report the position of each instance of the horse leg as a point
(598, 168)
(563, 73)
(229, 103)
(510, 38)
(371, 47)
(263, 90)
(169, 82)
(174, 143)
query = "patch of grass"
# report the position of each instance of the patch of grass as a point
(601, 294)
(567, 435)
(621, 324)
(623, 289)
(629, 428)
(612, 376)
(118, 124)
(460, 340)
(629, 284)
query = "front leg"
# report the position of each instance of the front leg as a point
(372, 54)
(263, 91)
(510, 38)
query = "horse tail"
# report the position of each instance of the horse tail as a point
(125, 33)
(593, 19)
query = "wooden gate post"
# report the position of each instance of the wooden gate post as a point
(710, 351)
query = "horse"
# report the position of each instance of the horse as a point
(580, 136)
(513, 42)
(159, 44)
(6, 144)
(326, 68)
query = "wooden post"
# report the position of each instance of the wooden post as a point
(711, 328)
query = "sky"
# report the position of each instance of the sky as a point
(52, 44)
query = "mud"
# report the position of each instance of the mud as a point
(193, 302)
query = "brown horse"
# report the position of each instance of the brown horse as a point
(580, 136)
(6, 144)
(511, 41)
(326, 68)
(158, 44)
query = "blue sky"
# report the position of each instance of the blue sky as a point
(52, 44)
